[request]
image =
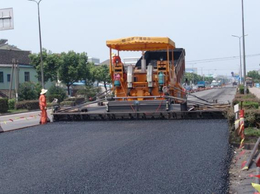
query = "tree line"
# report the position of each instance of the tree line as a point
(195, 78)
(69, 68)
(254, 75)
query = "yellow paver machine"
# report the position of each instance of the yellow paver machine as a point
(154, 82)
(147, 89)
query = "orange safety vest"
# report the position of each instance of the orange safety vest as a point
(116, 58)
(42, 104)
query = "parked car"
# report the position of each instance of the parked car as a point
(201, 84)
(214, 84)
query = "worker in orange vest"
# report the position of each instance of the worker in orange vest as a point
(116, 59)
(43, 107)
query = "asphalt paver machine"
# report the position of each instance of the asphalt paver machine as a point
(154, 82)
(148, 89)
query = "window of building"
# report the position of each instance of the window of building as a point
(8, 77)
(27, 76)
(1, 77)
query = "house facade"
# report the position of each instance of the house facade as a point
(15, 69)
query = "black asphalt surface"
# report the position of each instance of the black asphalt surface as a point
(181, 156)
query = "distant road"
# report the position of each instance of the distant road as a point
(223, 95)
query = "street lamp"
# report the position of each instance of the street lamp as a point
(40, 38)
(240, 69)
(244, 50)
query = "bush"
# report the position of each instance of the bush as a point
(252, 132)
(29, 105)
(3, 105)
(56, 92)
(250, 105)
(247, 104)
(67, 103)
(11, 104)
(75, 100)
(82, 92)
(244, 98)
(250, 119)
(72, 101)
(29, 91)
(241, 90)
(88, 92)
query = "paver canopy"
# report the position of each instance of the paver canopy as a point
(141, 44)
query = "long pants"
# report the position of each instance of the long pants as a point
(43, 117)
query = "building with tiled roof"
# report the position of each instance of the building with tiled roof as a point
(14, 58)
(5, 46)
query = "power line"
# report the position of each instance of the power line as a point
(219, 59)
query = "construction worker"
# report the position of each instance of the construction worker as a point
(116, 59)
(43, 107)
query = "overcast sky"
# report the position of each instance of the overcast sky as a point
(202, 27)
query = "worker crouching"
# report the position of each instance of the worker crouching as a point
(43, 107)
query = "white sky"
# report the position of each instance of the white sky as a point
(202, 27)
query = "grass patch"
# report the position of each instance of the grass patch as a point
(253, 132)
(251, 105)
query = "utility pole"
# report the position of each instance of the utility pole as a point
(15, 71)
(240, 68)
(11, 79)
(40, 39)
(16, 67)
(244, 50)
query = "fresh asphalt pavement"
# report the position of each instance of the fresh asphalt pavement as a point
(181, 156)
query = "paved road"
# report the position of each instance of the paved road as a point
(116, 157)
(223, 95)
(255, 91)
(11, 122)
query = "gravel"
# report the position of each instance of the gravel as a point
(181, 156)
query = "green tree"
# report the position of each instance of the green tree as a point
(195, 78)
(91, 74)
(73, 68)
(29, 91)
(254, 75)
(51, 63)
(208, 79)
(56, 92)
(102, 75)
